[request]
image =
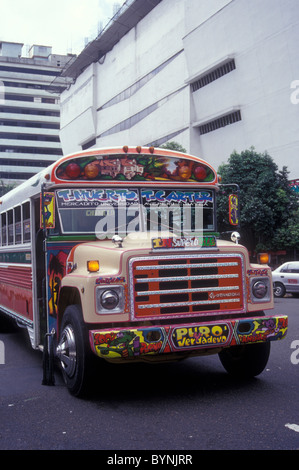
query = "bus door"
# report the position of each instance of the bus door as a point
(54, 251)
(40, 282)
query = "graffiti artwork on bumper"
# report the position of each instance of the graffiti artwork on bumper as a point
(133, 343)
(260, 329)
(129, 343)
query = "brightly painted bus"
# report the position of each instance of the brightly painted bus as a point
(115, 253)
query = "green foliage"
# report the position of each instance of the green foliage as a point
(174, 146)
(267, 203)
(6, 188)
(288, 234)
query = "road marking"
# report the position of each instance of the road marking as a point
(294, 427)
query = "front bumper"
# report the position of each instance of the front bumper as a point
(138, 343)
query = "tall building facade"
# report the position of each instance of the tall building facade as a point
(215, 76)
(30, 89)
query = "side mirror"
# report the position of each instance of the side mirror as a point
(235, 237)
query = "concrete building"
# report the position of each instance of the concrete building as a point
(213, 75)
(30, 89)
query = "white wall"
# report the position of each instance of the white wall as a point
(78, 113)
(262, 36)
(199, 11)
(155, 40)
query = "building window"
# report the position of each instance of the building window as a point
(28, 111)
(220, 122)
(30, 163)
(5, 68)
(213, 75)
(34, 137)
(31, 150)
(16, 176)
(35, 86)
(29, 124)
(18, 97)
(49, 100)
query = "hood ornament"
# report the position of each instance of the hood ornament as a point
(117, 241)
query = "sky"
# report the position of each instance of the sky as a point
(62, 24)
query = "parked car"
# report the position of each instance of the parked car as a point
(286, 279)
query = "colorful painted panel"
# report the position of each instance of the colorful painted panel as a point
(47, 210)
(233, 209)
(184, 243)
(261, 329)
(205, 335)
(56, 269)
(126, 343)
(126, 167)
(130, 343)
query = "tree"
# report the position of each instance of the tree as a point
(287, 236)
(173, 146)
(267, 202)
(6, 188)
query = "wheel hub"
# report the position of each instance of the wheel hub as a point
(66, 351)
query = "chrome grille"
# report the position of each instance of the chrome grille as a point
(186, 285)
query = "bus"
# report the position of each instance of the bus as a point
(114, 253)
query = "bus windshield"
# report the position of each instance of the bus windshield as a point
(106, 212)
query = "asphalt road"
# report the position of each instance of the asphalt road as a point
(187, 406)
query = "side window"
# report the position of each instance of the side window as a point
(18, 225)
(295, 268)
(10, 225)
(3, 229)
(26, 222)
(284, 269)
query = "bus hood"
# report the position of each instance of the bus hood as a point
(110, 253)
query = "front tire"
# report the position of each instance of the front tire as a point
(245, 361)
(73, 351)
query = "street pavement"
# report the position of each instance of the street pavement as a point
(184, 407)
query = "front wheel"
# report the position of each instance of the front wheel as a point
(245, 361)
(73, 351)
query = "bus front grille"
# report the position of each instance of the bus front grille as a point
(172, 286)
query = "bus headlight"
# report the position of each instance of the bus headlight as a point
(260, 290)
(109, 299)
